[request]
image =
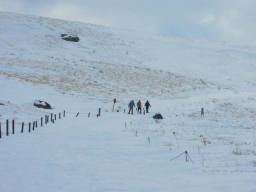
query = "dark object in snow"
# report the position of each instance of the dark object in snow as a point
(158, 116)
(70, 37)
(202, 112)
(1, 104)
(42, 104)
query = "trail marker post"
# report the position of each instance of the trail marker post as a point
(7, 127)
(202, 112)
(29, 127)
(22, 127)
(13, 126)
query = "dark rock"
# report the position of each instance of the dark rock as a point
(158, 116)
(42, 104)
(1, 104)
(70, 37)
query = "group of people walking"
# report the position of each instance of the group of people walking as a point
(131, 105)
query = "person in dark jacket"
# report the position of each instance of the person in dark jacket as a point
(130, 106)
(147, 105)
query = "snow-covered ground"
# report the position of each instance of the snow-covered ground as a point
(117, 151)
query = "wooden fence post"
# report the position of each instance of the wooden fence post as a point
(22, 127)
(64, 113)
(59, 115)
(51, 116)
(98, 115)
(41, 121)
(29, 127)
(55, 117)
(33, 126)
(7, 127)
(13, 126)
(89, 114)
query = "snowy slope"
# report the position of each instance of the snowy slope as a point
(120, 152)
(32, 50)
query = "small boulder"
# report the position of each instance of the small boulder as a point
(67, 37)
(42, 104)
(158, 116)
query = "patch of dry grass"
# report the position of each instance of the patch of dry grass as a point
(100, 78)
(236, 152)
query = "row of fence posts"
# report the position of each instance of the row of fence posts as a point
(33, 125)
(89, 114)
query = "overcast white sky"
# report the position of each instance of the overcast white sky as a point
(221, 20)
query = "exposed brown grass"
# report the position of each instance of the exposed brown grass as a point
(236, 152)
(100, 78)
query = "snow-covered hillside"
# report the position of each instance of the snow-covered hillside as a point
(120, 152)
(117, 61)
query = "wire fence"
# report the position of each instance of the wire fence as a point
(10, 127)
